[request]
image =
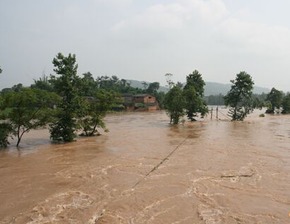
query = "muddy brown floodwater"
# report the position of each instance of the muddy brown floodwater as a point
(145, 171)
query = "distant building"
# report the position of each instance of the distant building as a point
(140, 102)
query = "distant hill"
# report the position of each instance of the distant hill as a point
(214, 88)
(211, 88)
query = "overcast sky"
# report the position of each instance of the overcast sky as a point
(145, 39)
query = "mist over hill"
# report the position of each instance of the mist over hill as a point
(211, 88)
(214, 88)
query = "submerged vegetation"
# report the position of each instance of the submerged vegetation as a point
(74, 105)
(26, 109)
(69, 104)
(239, 98)
(187, 100)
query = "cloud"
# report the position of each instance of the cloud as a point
(147, 38)
(209, 11)
(255, 37)
(169, 23)
(201, 34)
(159, 16)
(114, 3)
(203, 19)
(175, 15)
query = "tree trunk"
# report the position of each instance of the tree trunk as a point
(19, 136)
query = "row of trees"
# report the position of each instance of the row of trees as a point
(189, 100)
(70, 104)
(275, 101)
(65, 102)
(278, 102)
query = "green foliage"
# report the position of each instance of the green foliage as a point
(259, 101)
(5, 131)
(275, 98)
(115, 84)
(239, 98)
(43, 84)
(193, 94)
(108, 83)
(195, 80)
(153, 88)
(96, 102)
(185, 100)
(174, 103)
(26, 109)
(88, 85)
(193, 104)
(145, 85)
(63, 128)
(160, 96)
(94, 110)
(66, 84)
(17, 88)
(286, 104)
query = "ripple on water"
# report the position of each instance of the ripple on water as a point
(221, 172)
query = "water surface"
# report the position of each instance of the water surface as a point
(146, 171)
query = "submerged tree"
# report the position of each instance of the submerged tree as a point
(193, 93)
(25, 110)
(286, 104)
(275, 98)
(185, 100)
(239, 98)
(174, 103)
(259, 101)
(5, 127)
(66, 85)
(94, 110)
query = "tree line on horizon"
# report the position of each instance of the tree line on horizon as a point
(71, 104)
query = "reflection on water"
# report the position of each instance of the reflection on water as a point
(146, 171)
